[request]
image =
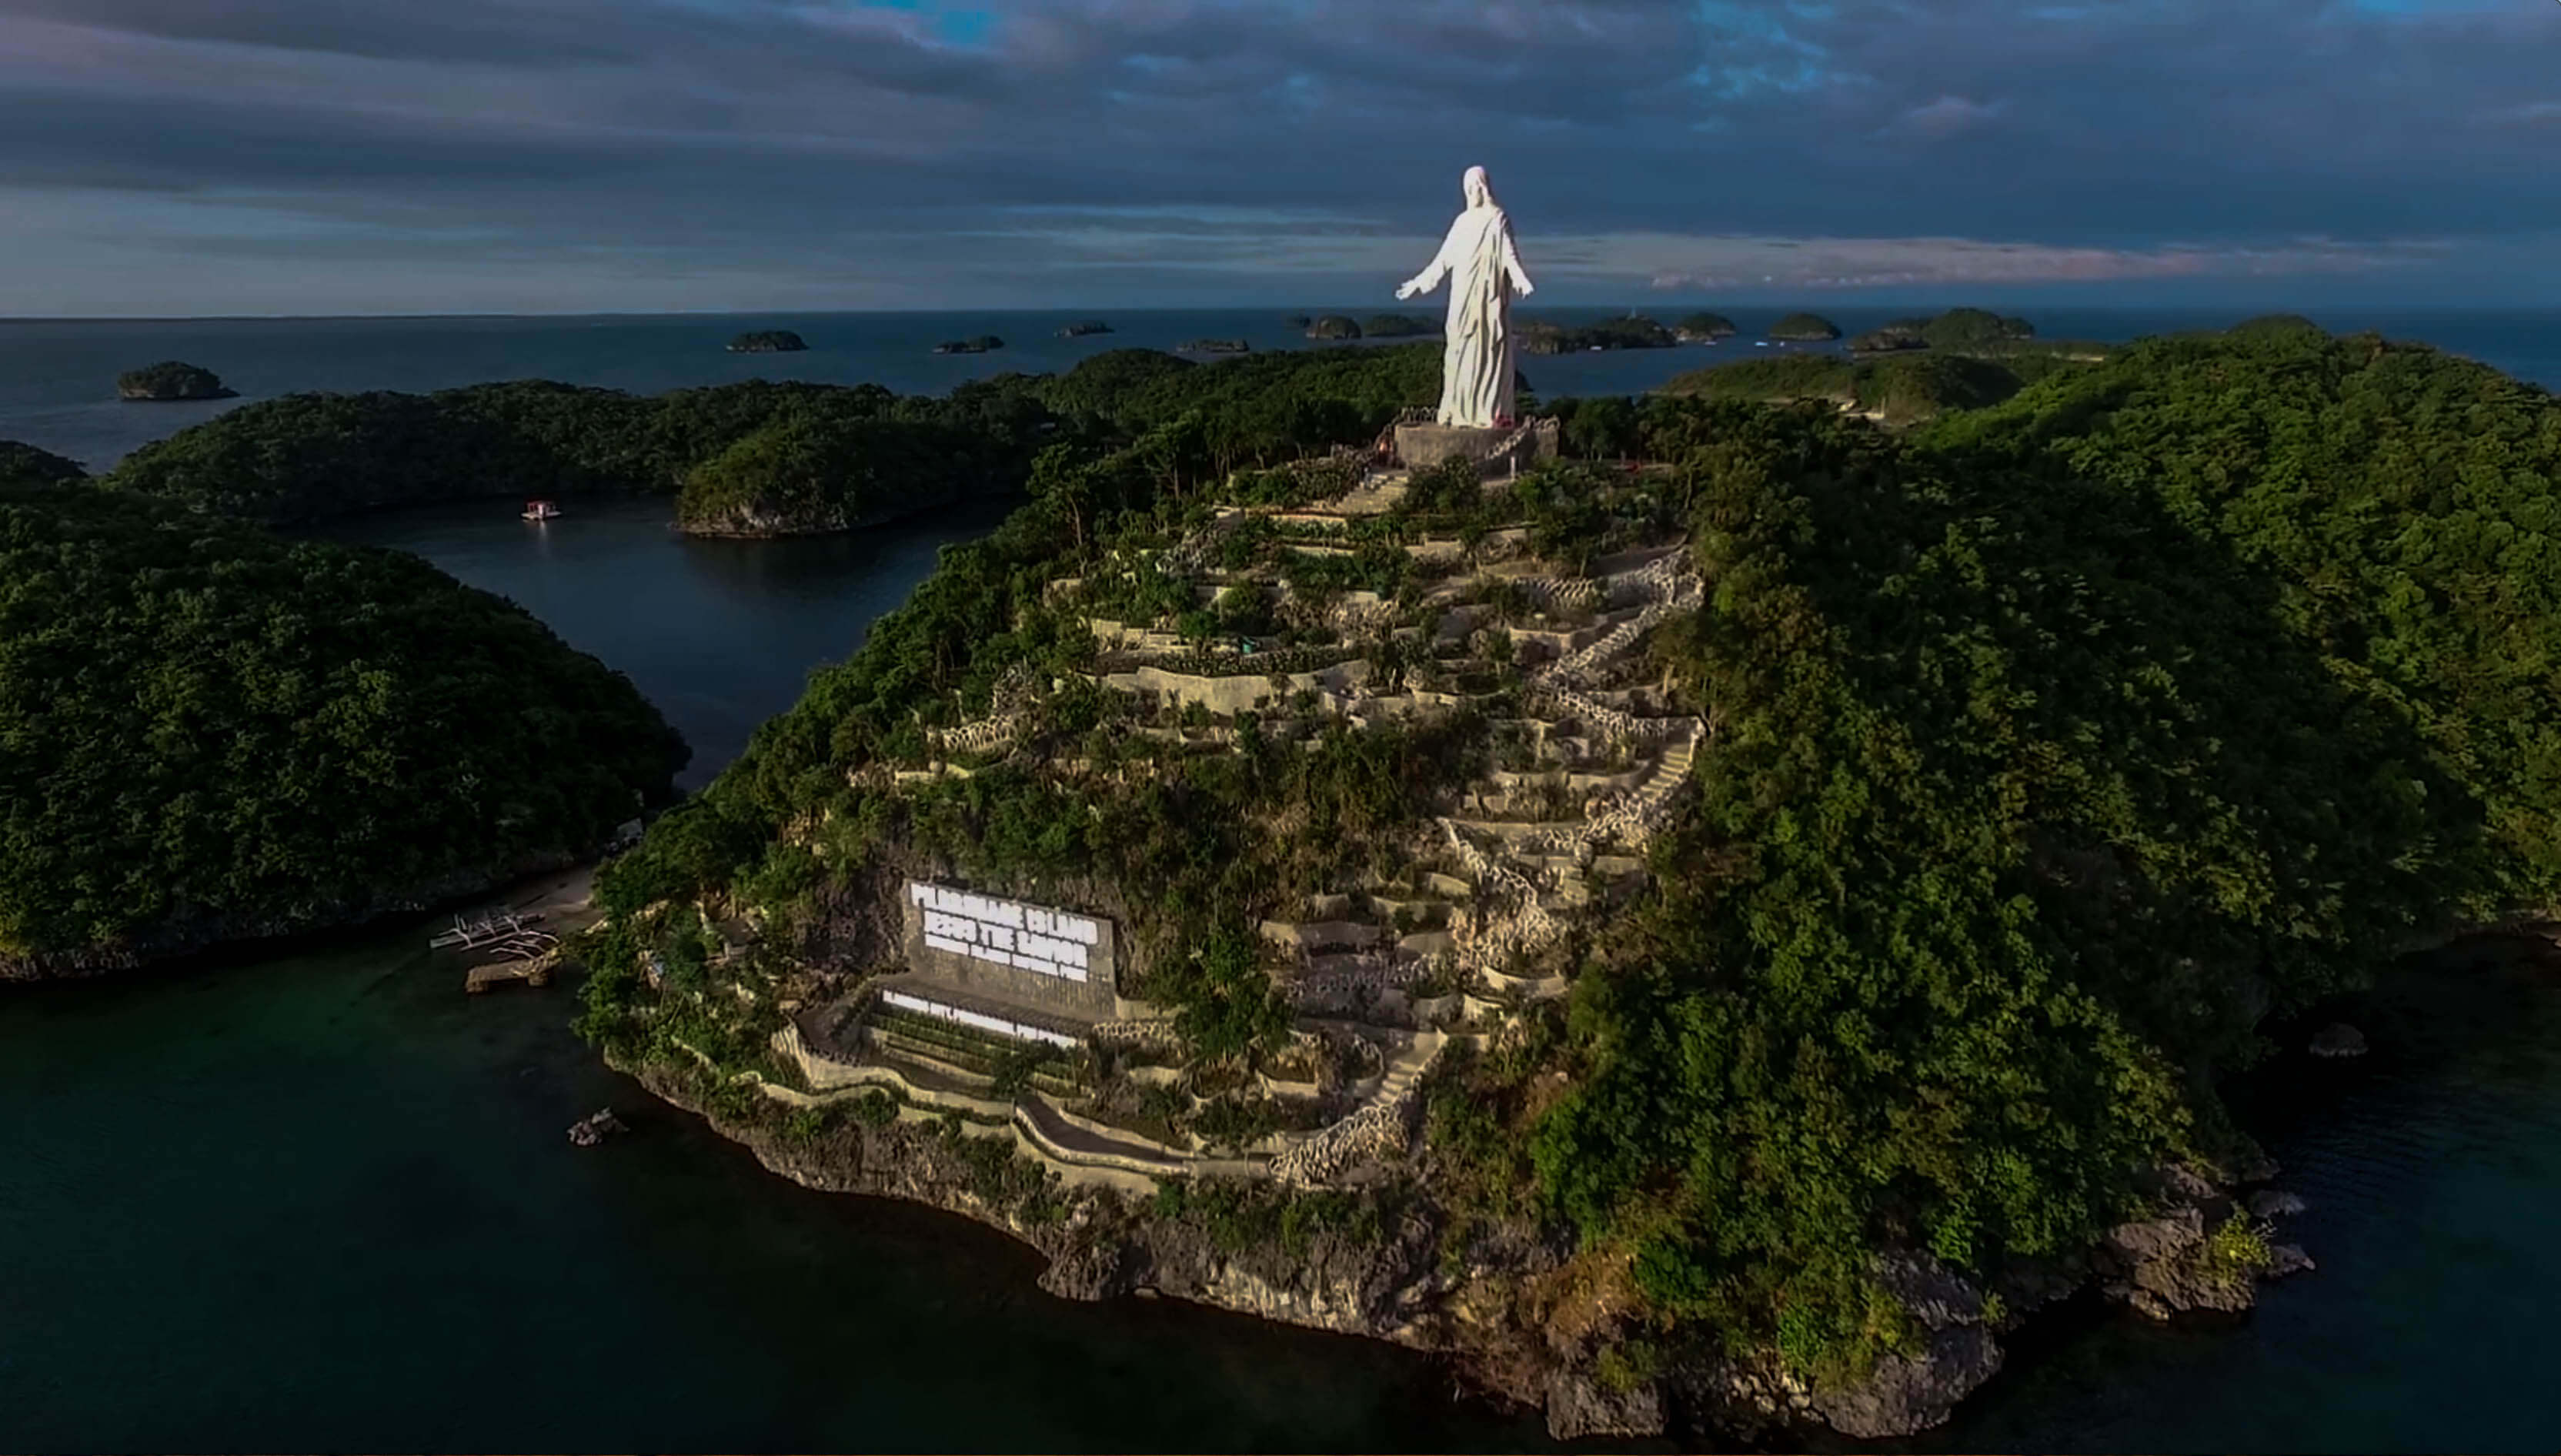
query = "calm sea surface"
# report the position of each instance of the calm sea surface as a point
(57, 379)
(322, 1200)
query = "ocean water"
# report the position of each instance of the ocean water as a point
(300, 1199)
(57, 378)
(719, 634)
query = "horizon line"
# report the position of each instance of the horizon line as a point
(2271, 306)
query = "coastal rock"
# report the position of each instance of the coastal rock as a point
(1907, 1393)
(1094, 1271)
(1577, 1406)
(2337, 1039)
(1934, 1294)
(1901, 1393)
(2028, 1284)
(2177, 1284)
(2179, 1184)
(2151, 1239)
(2274, 1203)
(2288, 1259)
(2248, 1162)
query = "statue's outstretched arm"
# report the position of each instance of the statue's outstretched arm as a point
(1522, 285)
(1430, 277)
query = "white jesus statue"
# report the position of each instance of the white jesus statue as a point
(1479, 357)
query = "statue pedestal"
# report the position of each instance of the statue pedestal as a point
(1421, 447)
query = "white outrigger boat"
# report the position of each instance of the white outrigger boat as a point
(471, 935)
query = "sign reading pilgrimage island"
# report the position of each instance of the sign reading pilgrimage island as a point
(1006, 932)
(1007, 948)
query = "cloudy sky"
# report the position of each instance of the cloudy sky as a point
(316, 156)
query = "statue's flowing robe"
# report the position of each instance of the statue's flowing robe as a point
(1479, 358)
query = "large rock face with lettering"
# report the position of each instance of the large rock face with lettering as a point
(1010, 951)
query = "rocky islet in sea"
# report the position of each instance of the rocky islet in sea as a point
(171, 380)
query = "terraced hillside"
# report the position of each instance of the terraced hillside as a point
(1716, 937)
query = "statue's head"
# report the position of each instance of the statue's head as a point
(1475, 189)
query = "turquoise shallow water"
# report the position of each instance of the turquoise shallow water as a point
(319, 1200)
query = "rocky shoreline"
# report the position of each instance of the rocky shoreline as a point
(1494, 1310)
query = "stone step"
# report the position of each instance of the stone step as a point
(1315, 935)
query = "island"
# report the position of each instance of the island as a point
(305, 459)
(1214, 346)
(1894, 390)
(1908, 371)
(2277, 326)
(1805, 328)
(1198, 892)
(1084, 328)
(1298, 321)
(768, 341)
(1563, 911)
(1703, 328)
(1633, 331)
(1958, 329)
(1398, 326)
(1334, 326)
(171, 380)
(307, 729)
(980, 344)
(812, 473)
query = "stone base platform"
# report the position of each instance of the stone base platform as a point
(1421, 447)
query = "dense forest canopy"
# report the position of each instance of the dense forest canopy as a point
(24, 464)
(208, 732)
(1895, 389)
(2056, 744)
(308, 457)
(2402, 504)
(805, 456)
